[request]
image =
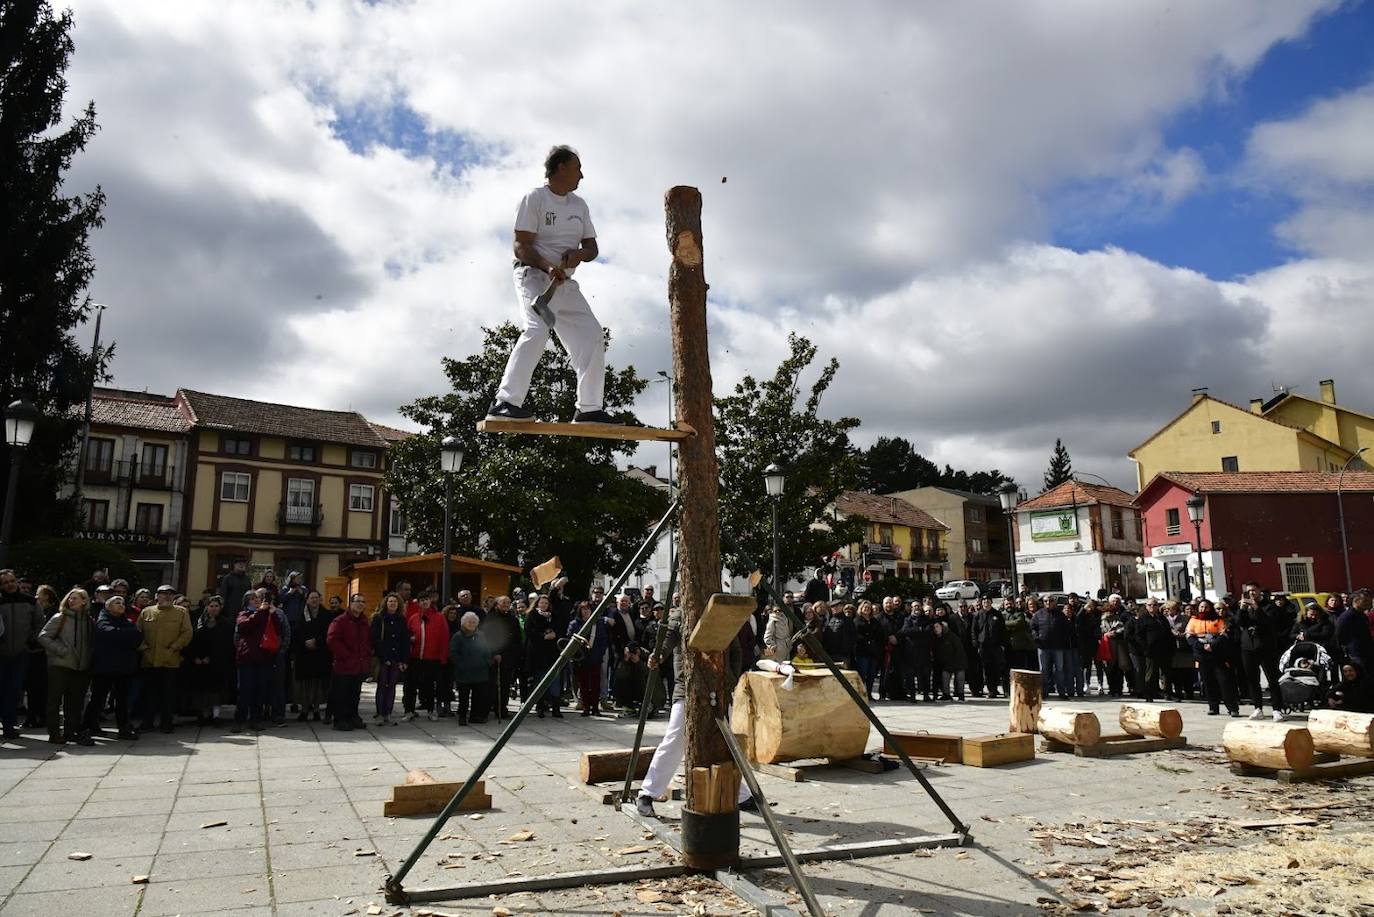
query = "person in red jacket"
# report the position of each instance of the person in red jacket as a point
(350, 648)
(429, 636)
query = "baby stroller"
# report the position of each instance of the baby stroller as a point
(1306, 676)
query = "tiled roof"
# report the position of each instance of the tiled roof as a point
(857, 504)
(284, 420)
(1269, 482)
(391, 434)
(1077, 493)
(138, 411)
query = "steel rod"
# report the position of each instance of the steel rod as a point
(394, 891)
(779, 838)
(818, 652)
(761, 898)
(547, 883)
(855, 851)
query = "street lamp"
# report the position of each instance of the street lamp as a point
(1008, 494)
(1340, 511)
(775, 481)
(1195, 505)
(451, 461)
(20, 418)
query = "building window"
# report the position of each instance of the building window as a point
(975, 545)
(885, 535)
(1171, 526)
(1216, 426)
(933, 540)
(1230, 463)
(148, 518)
(100, 455)
(95, 514)
(300, 452)
(154, 460)
(360, 498)
(398, 521)
(975, 514)
(234, 446)
(361, 459)
(300, 500)
(1118, 524)
(233, 486)
(1297, 575)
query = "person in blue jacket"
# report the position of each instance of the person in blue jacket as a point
(113, 666)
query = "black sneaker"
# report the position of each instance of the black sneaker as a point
(504, 410)
(597, 417)
(749, 805)
(644, 805)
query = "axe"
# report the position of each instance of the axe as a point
(541, 304)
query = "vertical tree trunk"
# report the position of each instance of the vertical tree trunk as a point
(699, 560)
(1023, 704)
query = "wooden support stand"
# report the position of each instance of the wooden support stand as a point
(585, 430)
(421, 794)
(1111, 745)
(800, 771)
(605, 766)
(1023, 701)
(1324, 767)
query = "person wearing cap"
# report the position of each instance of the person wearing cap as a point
(21, 620)
(166, 630)
(114, 663)
(67, 638)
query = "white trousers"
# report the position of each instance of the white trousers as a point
(575, 326)
(668, 756)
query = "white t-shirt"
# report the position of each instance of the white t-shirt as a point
(558, 223)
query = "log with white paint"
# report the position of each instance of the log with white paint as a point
(1280, 746)
(1151, 720)
(1342, 732)
(1071, 725)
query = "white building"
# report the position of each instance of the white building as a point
(1079, 538)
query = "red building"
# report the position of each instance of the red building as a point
(1280, 529)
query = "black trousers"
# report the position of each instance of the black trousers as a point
(472, 702)
(66, 693)
(345, 691)
(159, 696)
(102, 686)
(995, 671)
(502, 677)
(1218, 684)
(1252, 663)
(973, 675)
(425, 676)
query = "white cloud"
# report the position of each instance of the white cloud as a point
(887, 167)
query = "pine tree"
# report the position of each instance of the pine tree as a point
(45, 259)
(1061, 467)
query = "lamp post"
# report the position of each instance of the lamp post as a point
(451, 461)
(775, 481)
(20, 418)
(1007, 493)
(1195, 505)
(1340, 511)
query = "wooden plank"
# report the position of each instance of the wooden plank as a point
(1329, 770)
(1291, 821)
(992, 751)
(426, 791)
(586, 430)
(392, 808)
(721, 622)
(1110, 746)
(611, 764)
(699, 788)
(928, 745)
(782, 772)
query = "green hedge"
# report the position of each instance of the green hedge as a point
(66, 562)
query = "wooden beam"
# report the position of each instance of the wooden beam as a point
(585, 430)
(601, 766)
(721, 622)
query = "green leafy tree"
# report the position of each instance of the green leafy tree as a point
(892, 464)
(903, 587)
(768, 421)
(45, 259)
(66, 562)
(1061, 467)
(523, 499)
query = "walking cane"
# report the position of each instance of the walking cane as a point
(500, 699)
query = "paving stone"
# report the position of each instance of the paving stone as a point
(87, 902)
(107, 869)
(204, 896)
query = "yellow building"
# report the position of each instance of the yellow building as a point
(1215, 435)
(284, 487)
(899, 539)
(1350, 429)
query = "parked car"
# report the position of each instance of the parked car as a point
(998, 589)
(958, 589)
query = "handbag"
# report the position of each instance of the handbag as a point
(1104, 649)
(271, 640)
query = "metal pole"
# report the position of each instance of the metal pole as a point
(819, 652)
(1011, 550)
(672, 529)
(776, 558)
(660, 634)
(90, 394)
(1340, 511)
(394, 891)
(11, 494)
(1201, 571)
(448, 537)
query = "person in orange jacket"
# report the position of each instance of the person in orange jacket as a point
(429, 641)
(1210, 639)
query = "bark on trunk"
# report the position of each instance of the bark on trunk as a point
(1024, 700)
(814, 718)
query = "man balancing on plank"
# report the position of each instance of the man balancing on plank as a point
(553, 235)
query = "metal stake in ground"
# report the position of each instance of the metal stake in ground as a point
(708, 840)
(660, 632)
(395, 892)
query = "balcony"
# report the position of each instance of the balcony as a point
(309, 515)
(929, 554)
(131, 473)
(877, 551)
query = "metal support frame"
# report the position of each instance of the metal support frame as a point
(660, 632)
(395, 891)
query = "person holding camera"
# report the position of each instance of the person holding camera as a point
(1257, 621)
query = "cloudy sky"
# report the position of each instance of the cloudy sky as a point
(1010, 222)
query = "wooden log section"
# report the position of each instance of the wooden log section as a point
(1278, 746)
(815, 718)
(1024, 700)
(717, 787)
(1151, 720)
(610, 765)
(1070, 725)
(1341, 732)
(421, 794)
